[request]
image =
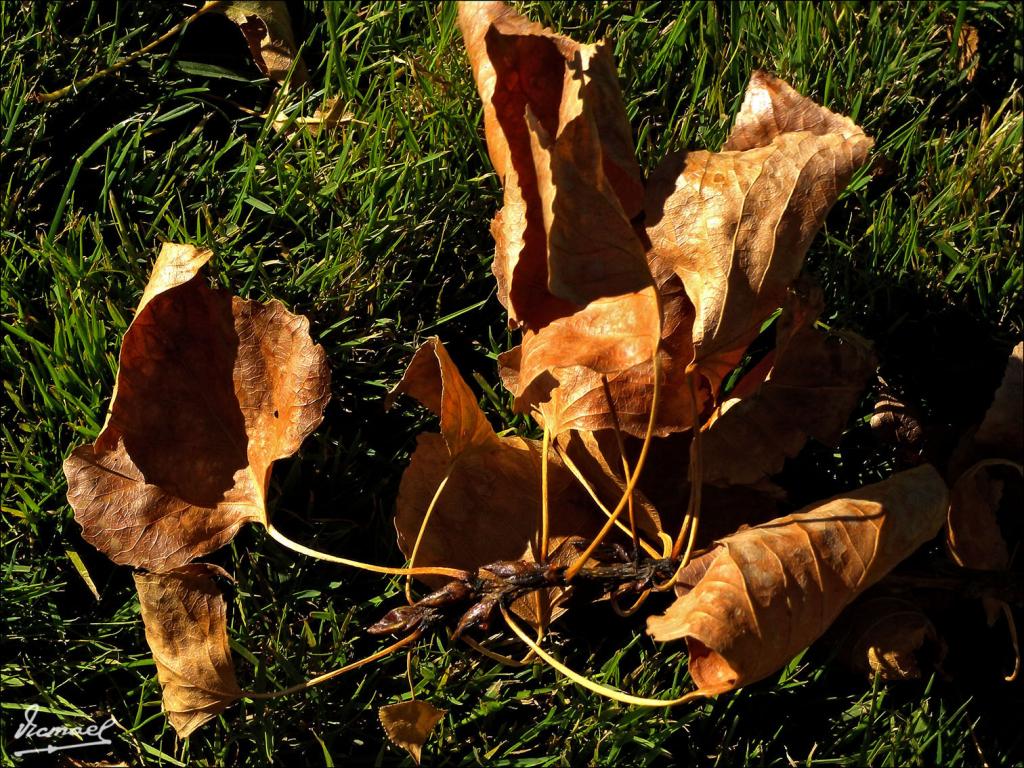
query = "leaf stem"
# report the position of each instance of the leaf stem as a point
(544, 511)
(1011, 627)
(500, 657)
(696, 473)
(627, 612)
(423, 529)
(578, 474)
(652, 419)
(590, 685)
(46, 98)
(622, 454)
(280, 538)
(257, 695)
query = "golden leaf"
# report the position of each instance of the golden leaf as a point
(408, 724)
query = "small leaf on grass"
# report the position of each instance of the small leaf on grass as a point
(966, 48)
(765, 593)
(186, 628)
(408, 724)
(211, 390)
(267, 28)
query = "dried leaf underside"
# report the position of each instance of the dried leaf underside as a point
(211, 390)
(765, 593)
(185, 617)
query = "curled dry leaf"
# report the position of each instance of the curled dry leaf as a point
(559, 138)
(973, 536)
(408, 724)
(559, 371)
(734, 225)
(571, 269)
(211, 390)
(489, 508)
(889, 637)
(810, 391)
(186, 628)
(726, 232)
(267, 28)
(765, 593)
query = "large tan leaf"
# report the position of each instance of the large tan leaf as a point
(734, 225)
(559, 138)
(211, 390)
(810, 391)
(267, 28)
(767, 592)
(186, 628)
(490, 507)
(408, 724)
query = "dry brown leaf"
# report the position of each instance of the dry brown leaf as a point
(558, 372)
(571, 268)
(559, 138)
(432, 378)
(267, 28)
(211, 390)
(767, 592)
(569, 261)
(810, 391)
(408, 724)
(885, 635)
(489, 509)
(734, 225)
(186, 628)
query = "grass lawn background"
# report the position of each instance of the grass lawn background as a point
(379, 233)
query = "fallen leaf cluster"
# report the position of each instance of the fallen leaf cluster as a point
(637, 299)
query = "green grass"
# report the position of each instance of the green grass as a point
(379, 232)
